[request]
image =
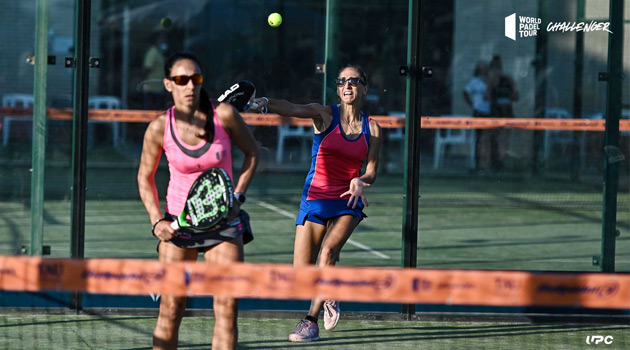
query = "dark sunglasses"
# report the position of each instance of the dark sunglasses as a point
(354, 82)
(184, 79)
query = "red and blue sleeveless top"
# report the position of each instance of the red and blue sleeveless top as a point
(335, 159)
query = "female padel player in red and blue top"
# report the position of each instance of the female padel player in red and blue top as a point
(333, 199)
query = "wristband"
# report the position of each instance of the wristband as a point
(155, 224)
(240, 197)
(264, 109)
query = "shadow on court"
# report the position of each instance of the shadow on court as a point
(420, 337)
(135, 333)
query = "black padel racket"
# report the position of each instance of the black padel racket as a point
(239, 95)
(209, 201)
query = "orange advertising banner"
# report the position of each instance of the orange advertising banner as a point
(427, 122)
(364, 284)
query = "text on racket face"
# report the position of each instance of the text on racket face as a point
(228, 91)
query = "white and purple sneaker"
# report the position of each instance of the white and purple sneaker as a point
(305, 331)
(331, 314)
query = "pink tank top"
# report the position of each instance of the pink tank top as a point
(186, 162)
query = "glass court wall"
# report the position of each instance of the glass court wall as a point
(511, 197)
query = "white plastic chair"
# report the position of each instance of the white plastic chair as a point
(398, 133)
(556, 137)
(285, 131)
(396, 139)
(14, 100)
(104, 102)
(453, 137)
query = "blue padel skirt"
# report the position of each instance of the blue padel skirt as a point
(321, 210)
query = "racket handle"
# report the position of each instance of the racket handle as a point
(175, 225)
(256, 107)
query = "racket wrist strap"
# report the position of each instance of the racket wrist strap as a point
(264, 109)
(155, 224)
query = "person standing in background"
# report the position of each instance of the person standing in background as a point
(152, 69)
(502, 93)
(476, 96)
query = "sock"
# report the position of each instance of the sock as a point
(311, 318)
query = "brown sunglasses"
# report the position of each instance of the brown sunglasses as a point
(184, 79)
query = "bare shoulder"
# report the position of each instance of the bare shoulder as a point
(226, 113)
(320, 109)
(312, 110)
(375, 129)
(321, 115)
(223, 109)
(154, 135)
(157, 125)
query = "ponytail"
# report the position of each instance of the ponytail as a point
(205, 106)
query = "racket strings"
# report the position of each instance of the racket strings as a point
(209, 201)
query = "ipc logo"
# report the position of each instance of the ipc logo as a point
(598, 339)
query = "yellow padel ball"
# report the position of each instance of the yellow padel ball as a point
(166, 22)
(274, 19)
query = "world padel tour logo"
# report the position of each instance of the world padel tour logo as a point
(530, 26)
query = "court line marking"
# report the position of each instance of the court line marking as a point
(292, 216)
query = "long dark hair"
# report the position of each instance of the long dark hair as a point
(205, 105)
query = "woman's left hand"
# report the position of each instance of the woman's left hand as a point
(356, 192)
(234, 212)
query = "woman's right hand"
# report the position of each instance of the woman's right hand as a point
(259, 104)
(356, 192)
(164, 231)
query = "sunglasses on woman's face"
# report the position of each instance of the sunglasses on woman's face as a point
(354, 82)
(184, 79)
